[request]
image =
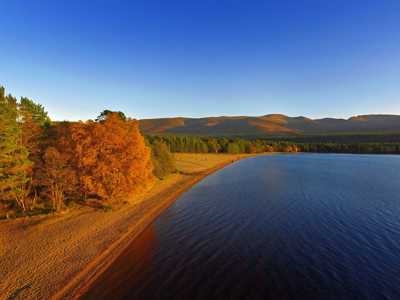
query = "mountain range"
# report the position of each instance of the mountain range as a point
(271, 125)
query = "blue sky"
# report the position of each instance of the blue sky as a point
(150, 58)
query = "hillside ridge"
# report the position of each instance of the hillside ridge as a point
(271, 125)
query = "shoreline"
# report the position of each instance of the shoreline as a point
(84, 279)
(59, 256)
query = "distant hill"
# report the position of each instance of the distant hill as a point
(272, 125)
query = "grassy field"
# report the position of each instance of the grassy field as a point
(189, 163)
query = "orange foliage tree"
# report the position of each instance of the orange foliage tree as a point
(114, 159)
(58, 178)
(55, 173)
(106, 159)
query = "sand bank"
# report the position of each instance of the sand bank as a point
(59, 256)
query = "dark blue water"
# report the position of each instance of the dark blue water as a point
(308, 226)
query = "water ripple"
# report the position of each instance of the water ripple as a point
(273, 227)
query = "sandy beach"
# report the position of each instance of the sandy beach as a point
(57, 256)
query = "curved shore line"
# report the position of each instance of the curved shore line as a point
(82, 281)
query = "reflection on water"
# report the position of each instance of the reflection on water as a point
(128, 269)
(273, 227)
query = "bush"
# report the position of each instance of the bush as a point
(163, 160)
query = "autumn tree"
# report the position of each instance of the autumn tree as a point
(57, 178)
(123, 165)
(109, 157)
(55, 174)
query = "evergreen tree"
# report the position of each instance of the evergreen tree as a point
(14, 163)
(233, 148)
(34, 111)
(163, 161)
(106, 113)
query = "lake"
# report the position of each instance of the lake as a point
(295, 226)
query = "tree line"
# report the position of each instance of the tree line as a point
(195, 144)
(44, 164)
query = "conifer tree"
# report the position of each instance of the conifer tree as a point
(15, 165)
(34, 120)
(163, 161)
(35, 111)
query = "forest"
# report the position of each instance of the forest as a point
(46, 165)
(196, 144)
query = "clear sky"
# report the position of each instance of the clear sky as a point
(317, 58)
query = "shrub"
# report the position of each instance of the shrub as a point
(163, 160)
